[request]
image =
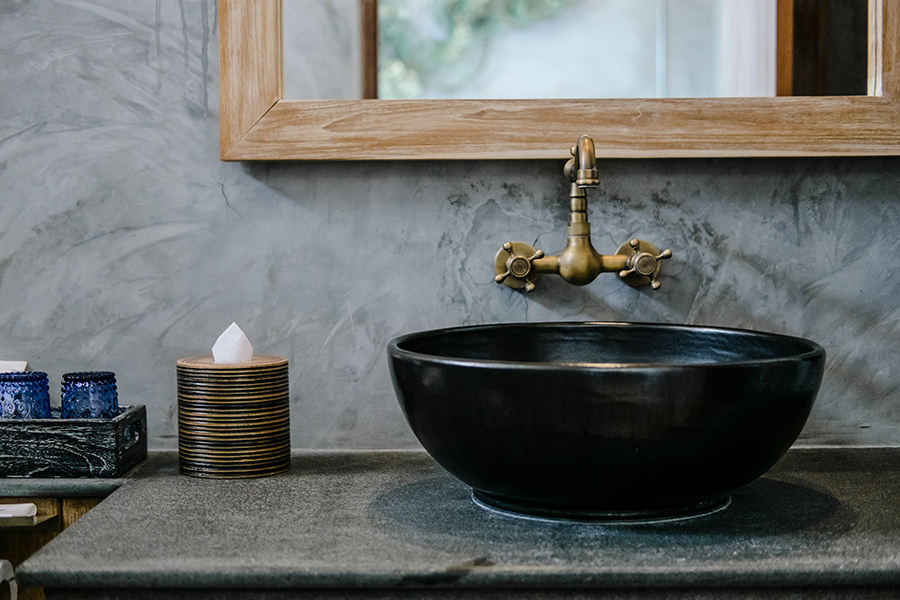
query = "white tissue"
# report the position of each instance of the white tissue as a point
(18, 510)
(9, 366)
(232, 346)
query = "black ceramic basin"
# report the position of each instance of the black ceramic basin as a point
(605, 420)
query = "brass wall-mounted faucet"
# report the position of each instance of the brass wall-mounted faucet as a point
(637, 262)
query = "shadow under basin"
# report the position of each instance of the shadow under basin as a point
(769, 516)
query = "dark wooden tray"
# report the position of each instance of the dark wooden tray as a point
(73, 447)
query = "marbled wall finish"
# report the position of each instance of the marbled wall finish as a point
(127, 244)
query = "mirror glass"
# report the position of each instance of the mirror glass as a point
(322, 49)
(576, 49)
(499, 49)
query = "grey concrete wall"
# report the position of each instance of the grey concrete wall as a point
(126, 244)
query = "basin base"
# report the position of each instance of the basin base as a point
(525, 509)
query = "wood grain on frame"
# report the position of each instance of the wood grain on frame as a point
(250, 69)
(251, 73)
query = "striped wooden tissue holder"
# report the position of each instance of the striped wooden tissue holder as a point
(233, 419)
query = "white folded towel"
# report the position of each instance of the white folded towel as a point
(10, 366)
(18, 510)
(7, 577)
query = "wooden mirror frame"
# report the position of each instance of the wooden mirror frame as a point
(257, 123)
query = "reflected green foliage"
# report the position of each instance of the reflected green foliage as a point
(419, 39)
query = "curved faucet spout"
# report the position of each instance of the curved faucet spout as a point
(582, 167)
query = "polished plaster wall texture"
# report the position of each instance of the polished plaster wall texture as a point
(127, 244)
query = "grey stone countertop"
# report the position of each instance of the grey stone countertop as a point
(64, 487)
(394, 520)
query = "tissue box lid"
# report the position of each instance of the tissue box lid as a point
(207, 363)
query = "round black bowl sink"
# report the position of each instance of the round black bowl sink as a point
(605, 420)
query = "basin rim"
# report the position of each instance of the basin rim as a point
(815, 351)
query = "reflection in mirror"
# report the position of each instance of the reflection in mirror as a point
(574, 48)
(829, 47)
(322, 54)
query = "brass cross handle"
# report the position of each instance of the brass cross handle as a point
(513, 265)
(643, 264)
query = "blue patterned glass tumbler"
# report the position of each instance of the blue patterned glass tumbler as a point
(89, 395)
(24, 395)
